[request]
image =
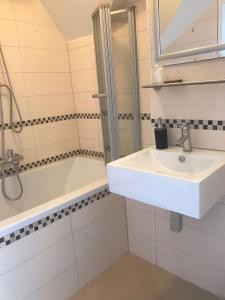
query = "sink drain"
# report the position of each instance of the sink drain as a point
(182, 158)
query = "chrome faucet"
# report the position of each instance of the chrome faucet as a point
(12, 158)
(185, 139)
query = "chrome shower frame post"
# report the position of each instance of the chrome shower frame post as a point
(106, 79)
(135, 79)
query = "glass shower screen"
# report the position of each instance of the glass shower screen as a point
(118, 87)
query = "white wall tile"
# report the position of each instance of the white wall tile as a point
(80, 59)
(18, 142)
(51, 105)
(26, 248)
(60, 288)
(54, 132)
(17, 82)
(99, 261)
(8, 33)
(88, 128)
(94, 212)
(83, 86)
(32, 11)
(7, 9)
(144, 72)
(42, 60)
(12, 57)
(142, 246)
(42, 268)
(212, 222)
(142, 45)
(191, 269)
(29, 155)
(99, 233)
(90, 144)
(39, 84)
(141, 221)
(24, 109)
(57, 148)
(192, 242)
(142, 206)
(85, 103)
(147, 133)
(40, 36)
(80, 42)
(141, 21)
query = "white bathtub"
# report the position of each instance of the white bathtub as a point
(49, 189)
(52, 238)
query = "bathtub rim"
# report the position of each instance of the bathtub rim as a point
(22, 219)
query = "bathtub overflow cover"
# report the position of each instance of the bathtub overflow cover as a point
(182, 158)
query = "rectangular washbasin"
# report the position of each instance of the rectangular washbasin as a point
(186, 183)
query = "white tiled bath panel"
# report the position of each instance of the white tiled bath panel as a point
(64, 256)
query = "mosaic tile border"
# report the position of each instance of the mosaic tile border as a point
(169, 123)
(145, 116)
(194, 124)
(42, 223)
(76, 116)
(87, 116)
(125, 116)
(52, 159)
(39, 121)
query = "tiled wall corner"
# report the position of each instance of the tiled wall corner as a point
(84, 81)
(100, 237)
(37, 58)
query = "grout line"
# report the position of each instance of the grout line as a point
(73, 93)
(191, 255)
(36, 254)
(51, 280)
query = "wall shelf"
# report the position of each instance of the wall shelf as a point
(159, 86)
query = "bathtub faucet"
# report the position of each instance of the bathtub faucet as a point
(12, 158)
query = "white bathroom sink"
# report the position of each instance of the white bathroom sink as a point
(186, 183)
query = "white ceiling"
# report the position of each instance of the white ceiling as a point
(73, 17)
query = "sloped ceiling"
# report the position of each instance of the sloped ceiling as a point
(73, 17)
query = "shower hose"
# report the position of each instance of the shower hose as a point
(17, 129)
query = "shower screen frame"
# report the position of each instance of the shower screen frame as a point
(102, 28)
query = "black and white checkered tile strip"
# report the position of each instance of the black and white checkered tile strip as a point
(194, 124)
(41, 121)
(145, 116)
(87, 116)
(52, 159)
(46, 120)
(33, 227)
(125, 116)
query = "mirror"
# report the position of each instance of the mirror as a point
(189, 30)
